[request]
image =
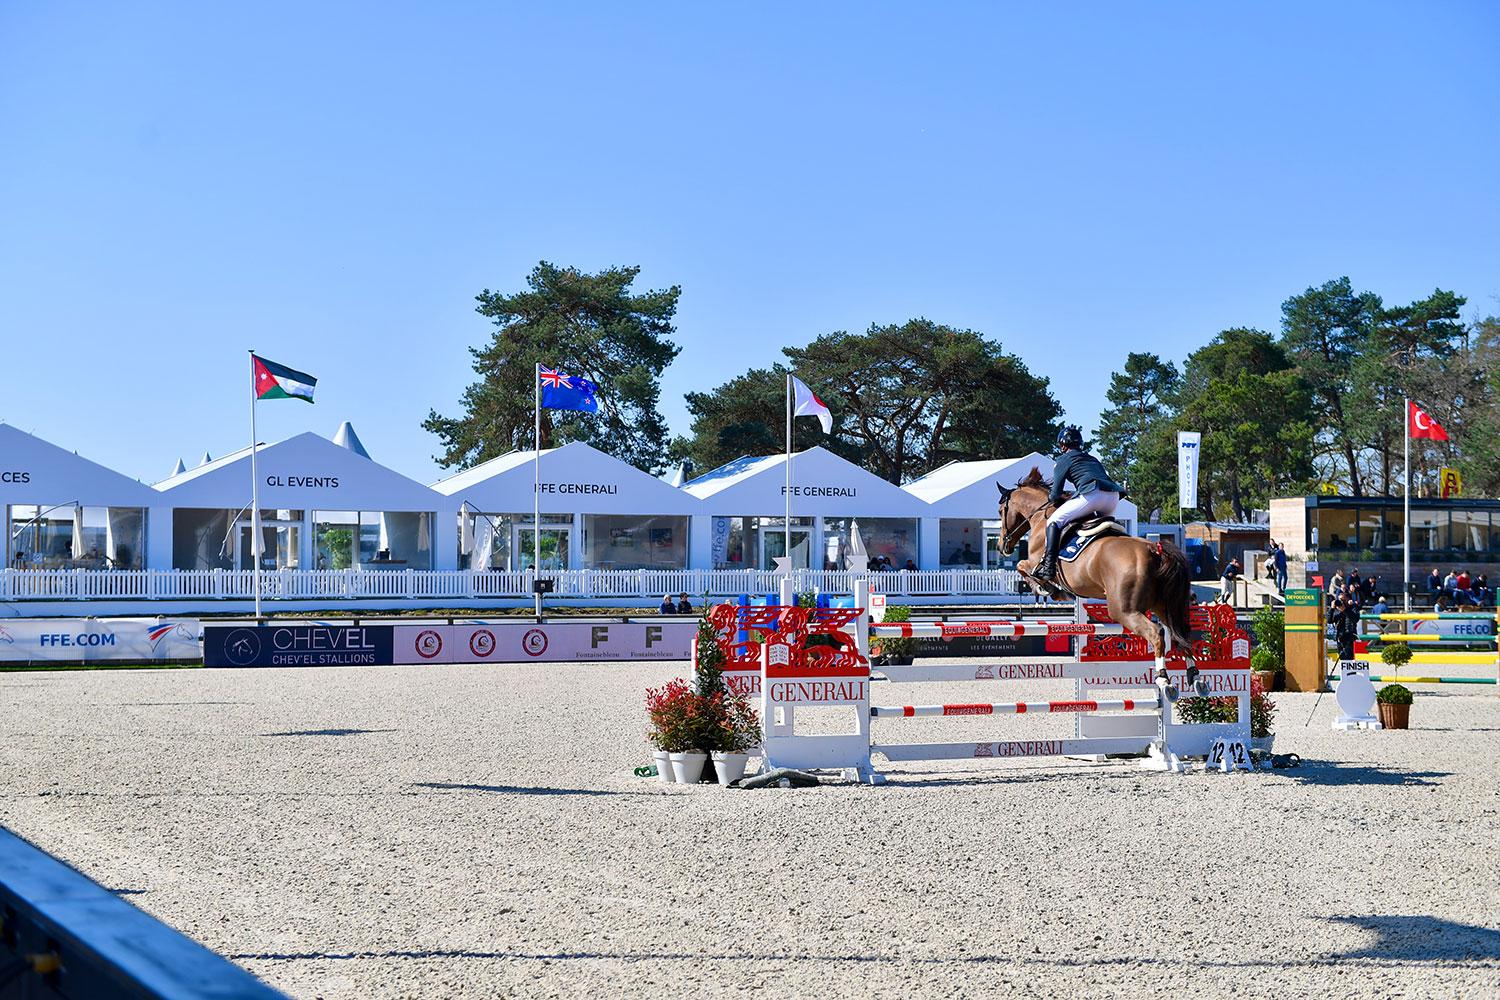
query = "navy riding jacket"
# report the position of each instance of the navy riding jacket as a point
(1084, 471)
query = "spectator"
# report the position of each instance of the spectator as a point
(1353, 579)
(1434, 586)
(1336, 585)
(1379, 607)
(667, 607)
(1450, 582)
(909, 565)
(684, 606)
(1481, 589)
(1372, 587)
(1280, 560)
(1344, 616)
(1463, 581)
(1226, 587)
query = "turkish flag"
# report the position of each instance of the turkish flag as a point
(1419, 424)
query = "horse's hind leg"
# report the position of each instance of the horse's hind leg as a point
(1157, 637)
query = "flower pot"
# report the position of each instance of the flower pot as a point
(687, 768)
(1394, 716)
(1263, 742)
(1265, 678)
(730, 767)
(663, 767)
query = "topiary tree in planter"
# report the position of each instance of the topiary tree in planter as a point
(1396, 654)
(1395, 706)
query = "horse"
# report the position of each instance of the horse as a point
(1135, 577)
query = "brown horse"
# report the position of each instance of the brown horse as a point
(1136, 577)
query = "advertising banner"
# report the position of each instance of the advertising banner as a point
(521, 642)
(1188, 445)
(306, 645)
(95, 640)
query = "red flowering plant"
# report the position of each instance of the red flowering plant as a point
(682, 720)
(1199, 711)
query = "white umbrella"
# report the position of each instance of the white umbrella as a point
(855, 557)
(465, 532)
(483, 544)
(77, 533)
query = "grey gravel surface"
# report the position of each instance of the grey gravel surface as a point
(454, 831)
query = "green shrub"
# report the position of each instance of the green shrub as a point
(1269, 625)
(1394, 694)
(1262, 658)
(1396, 654)
(896, 647)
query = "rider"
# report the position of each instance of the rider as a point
(1094, 493)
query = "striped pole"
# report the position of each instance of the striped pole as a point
(1018, 708)
(1434, 680)
(1423, 637)
(944, 630)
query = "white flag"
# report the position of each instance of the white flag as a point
(1188, 445)
(807, 404)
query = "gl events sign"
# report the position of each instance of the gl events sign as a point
(1189, 444)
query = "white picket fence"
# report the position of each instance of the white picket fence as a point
(415, 584)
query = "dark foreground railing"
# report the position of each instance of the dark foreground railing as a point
(64, 936)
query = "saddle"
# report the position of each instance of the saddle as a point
(1078, 534)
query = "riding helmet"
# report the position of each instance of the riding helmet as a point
(1070, 437)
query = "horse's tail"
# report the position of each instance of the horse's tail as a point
(1174, 587)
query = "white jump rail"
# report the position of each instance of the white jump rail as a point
(1148, 725)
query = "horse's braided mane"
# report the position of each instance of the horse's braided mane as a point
(1034, 478)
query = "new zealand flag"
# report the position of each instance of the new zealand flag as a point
(567, 392)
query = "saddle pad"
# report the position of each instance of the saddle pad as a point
(1075, 543)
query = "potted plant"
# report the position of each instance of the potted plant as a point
(1263, 668)
(737, 731)
(896, 652)
(1395, 706)
(1202, 711)
(680, 720)
(1269, 656)
(1262, 718)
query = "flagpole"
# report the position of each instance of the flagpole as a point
(536, 485)
(254, 491)
(788, 491)
(1406, 504)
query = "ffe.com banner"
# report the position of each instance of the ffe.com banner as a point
(95, 640)
(519, 642)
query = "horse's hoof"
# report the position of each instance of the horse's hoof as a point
(1202, 688)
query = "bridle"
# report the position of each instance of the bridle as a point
(1008, 540)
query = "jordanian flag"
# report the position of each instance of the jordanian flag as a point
(273, 381)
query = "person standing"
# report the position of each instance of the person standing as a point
(1227, 578)
(1280, 559)
(1345, 618)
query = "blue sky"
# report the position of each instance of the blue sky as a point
(332, 184)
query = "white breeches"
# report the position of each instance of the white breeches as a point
(1097, 502)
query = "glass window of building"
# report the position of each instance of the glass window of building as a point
(505, 541)
(1429, 531)
(633, 541)
(66, 536)
(890, 542)
(1469, 531)
(764, 542)
(960, 543)
(1335, 529)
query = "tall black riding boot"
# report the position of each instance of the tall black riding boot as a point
(1048, 568)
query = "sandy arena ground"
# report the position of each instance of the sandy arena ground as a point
(475, 831)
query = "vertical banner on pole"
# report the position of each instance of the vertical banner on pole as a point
(1188, 446)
